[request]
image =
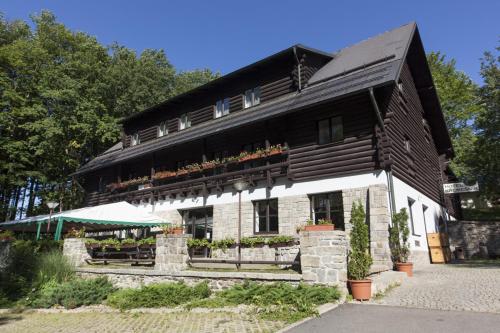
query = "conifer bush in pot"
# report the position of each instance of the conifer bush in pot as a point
(359, 260)
(399, 234)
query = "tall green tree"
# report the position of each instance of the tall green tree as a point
(61, 96)
(487, 146)
(461, 106)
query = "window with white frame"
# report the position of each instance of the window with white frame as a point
(222, 108)
(411, 202)
(135, 140)
(266, 216)
(252, 97)
(184, 121)
(162, 129)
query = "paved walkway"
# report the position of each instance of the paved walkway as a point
(351, 318)
(463, 287)
(89, 322)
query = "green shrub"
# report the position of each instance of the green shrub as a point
(222, 244)
(360, 259)
(71, 294)
(279, 240)
(196, 243)
(53, 266)
(252, 241)
(147, 241)
(158, 295)
(398, 237)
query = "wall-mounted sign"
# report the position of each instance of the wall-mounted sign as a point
(460, 188)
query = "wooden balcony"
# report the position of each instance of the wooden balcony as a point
(200, 183)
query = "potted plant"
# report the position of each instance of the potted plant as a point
(274, 150)
(398, 241)
(359, 260)
(209, 164)
(75, 233)
(323, 225)
(128, 243)
(164, 174)
(252, 241)
(196, 243)
(92, 243)
(182, 172)
(278, 241)
(147, 243)
(172, 230)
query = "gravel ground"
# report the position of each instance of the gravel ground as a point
(463, 287)
(88, 322)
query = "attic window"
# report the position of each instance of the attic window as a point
(162, 129)
(135, 140)
(222, 108)
(252, 97)
(184, 121)
(400, 86)
(407, 145)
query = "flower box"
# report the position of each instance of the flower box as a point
(319, 227)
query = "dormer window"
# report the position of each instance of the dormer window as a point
(184, 121)
(162, 129)
(222, 108)
(252, 97)
(135, 140)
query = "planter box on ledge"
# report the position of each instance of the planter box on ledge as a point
(319, 227)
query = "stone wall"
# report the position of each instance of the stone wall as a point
(76, 252)
(375, 201)
(171, 252)
(170, 216)
(262, 252)
(135, 278)
(4, 254)
(323, 256)
(476, 238)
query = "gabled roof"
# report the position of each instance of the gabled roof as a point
(372, 63)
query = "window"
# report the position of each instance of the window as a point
(135, 140)
(410, 212)
(252, 97)
(400, 86)
(407, 145)
(184, 121)
(162, 129)
(222, 108)
(266, 216)
(330, 130)
(328, 206)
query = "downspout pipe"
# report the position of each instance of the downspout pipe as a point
(298, 68)
(390, 182)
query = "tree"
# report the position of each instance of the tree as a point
(399, 233)
(461, 105)
(360, 259)
(487, 146)
(61, 96)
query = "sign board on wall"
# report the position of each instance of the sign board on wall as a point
(460, 188)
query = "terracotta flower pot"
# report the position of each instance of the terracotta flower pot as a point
(177, 231)
(319, 227)
(361, 289)
(406, 267)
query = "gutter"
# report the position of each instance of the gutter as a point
(390, 182)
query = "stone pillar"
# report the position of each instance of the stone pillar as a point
(378, 215)
(323, 256)
(4, 254)
(74, 249)
(171, 252)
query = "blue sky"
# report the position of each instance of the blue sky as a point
(226, 35)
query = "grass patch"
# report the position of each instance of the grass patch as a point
(158, 295)
(381, 294)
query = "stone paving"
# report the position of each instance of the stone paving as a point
(464, 287)
(88, 322)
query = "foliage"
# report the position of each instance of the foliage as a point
(197, 243)
(53, 266)
(71, 294)
(481, 214)
(279, 301)
(110, 242)
(91, 241)
(169, 229)
(252, 241)
(324, 221)
(129, 241)
(310, 222)
(62, 94)
(147, 241)
(279, 240)
(76, 233)
(158, 295)
(360, 259)
(398, 236)
(7, 235)
(222, 244)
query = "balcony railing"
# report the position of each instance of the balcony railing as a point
(200, 182)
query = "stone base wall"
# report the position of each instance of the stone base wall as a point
(323, 257)
(76, 252)
(135, 278)
(171, 252)
(4, 254)
(264, 252)
(419, 258)
(476, 238)
(170, 216)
